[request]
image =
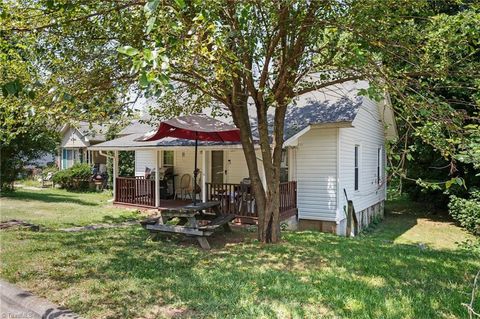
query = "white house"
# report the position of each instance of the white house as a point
(334, 148)
(75, 142)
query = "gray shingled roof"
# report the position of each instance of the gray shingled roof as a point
(95, 132)
(129, 141)
(136, 127)
(337, 104)
(320, 112)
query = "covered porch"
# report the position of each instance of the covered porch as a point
(234, 198)
(222, 174)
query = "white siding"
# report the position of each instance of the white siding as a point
(369, 133)
(184, 162)
(143, 159)
(236, 165)
(316, 172)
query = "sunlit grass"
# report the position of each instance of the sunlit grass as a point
(120, 273)
(59, 208)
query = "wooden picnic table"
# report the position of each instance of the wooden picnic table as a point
(189, 225)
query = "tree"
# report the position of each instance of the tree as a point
(31, 141)
(232, 51)
(227, 52)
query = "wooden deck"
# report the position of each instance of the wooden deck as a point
(234, 198)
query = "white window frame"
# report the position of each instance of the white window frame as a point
(357, 164)
(163, 159)
(379, 165)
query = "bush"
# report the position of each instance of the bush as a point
(75, 177)
(467, 211)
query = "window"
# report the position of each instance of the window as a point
(357, 155)
(379, 165)
(167, 158)
(284, 167)
(68, 158)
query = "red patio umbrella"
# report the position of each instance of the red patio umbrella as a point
(198, 127)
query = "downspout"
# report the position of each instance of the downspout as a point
(106, 155)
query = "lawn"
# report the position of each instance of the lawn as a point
(120, 273)
(55, 208)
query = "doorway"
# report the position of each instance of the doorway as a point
(217, 167)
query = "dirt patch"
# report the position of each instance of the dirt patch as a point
(167, 311)
(217, 240)
(18, 223)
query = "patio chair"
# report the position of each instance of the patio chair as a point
(246, 204)
(48, 180)
(185, 187)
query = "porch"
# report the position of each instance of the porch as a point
(234, 198)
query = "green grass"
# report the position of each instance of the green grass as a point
(58, 208)
(412, 223)
(120, 273)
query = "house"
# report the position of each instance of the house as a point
(334, 148)
(75, 140)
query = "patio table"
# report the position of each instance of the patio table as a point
(189, 225)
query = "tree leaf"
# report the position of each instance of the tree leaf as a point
(143, 80)
(151, 6)
(128, 50)
(150, 24)
(180, 3)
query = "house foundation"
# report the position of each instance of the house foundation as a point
(365, 217)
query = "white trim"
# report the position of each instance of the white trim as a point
(359, 166)
(115, 174)
(293, 140)
(340, 215)
(204, 175)
(157, 179)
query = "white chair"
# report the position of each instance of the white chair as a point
(185, 188)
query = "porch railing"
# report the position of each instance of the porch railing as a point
(238, 200)
(135, 191)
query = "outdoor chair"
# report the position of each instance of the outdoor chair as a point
(185, 188)
(48, 180)
(246, 203)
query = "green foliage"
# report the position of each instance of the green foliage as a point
(126, 163)
(76, 177)
(29, 141)
(467, 211)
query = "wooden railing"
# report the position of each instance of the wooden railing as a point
(135, 191)
(288, 199)
(239, 200)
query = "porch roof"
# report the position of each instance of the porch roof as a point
(129, 142)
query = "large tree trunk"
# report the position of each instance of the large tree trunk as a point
(267, 197)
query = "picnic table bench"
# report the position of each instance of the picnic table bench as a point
(189, 225)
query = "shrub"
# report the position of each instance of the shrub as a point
(467, 211)
(75, 177)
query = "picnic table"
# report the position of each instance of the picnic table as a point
(189, 225)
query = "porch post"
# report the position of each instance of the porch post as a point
(115, 174)
(157, 179)
(204, 176)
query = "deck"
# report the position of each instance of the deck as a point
(234, 199)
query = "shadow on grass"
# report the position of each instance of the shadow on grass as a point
(309, 274)
(124, 217)
(48, 197)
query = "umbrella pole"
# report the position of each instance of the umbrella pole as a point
(195, 172)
